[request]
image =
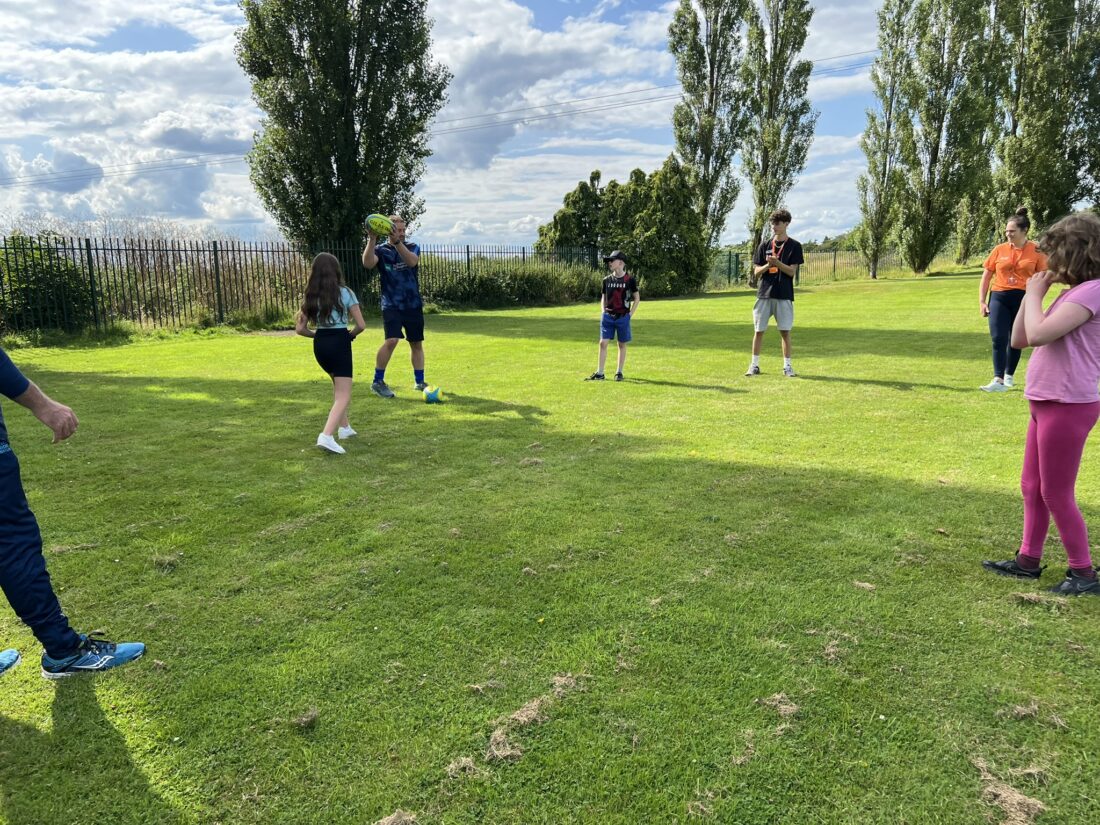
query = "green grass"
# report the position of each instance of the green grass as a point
(692, 542)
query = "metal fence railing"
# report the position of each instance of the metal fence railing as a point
(729, 267)
(50, 281)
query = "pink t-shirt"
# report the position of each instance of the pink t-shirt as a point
(1068, 369)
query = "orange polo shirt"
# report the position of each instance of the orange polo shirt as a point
(1011, 267)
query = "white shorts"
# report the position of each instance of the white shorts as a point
(766, 308)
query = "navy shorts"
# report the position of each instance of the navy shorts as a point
(615, 325)
(411, 320)
(332, 349)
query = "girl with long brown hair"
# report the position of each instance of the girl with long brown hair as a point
(326, 308)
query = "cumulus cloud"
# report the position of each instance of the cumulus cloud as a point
(586, 92)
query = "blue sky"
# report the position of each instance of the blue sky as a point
(90, 87)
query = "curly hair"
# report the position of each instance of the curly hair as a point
(1072, 247)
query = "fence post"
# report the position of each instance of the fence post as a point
(834, 264)
(218, 285)
(91, 280)
(467, 260)
(729, 267)
(737, 265)
(523, 254)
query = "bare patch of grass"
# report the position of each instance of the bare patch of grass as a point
(1018, 808)
(463, 768)
(484, 687)
(501, 749)
(870, 588)
(398, 817)
(530, 714)
(781, 704)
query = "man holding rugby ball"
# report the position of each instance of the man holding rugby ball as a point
(402, 307)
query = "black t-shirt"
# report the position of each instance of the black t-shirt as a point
(618, 293)
(778, 284)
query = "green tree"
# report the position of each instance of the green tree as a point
(1043, 151)
(348, 89)
(781, 121)
(577, 223)
(943, 115)
(881, 185)
(651, 218)
(1087, 85)
(709, 124)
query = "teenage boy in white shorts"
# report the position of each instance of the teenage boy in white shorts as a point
(776, 264)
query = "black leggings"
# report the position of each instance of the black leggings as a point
(332, 349)
(1003, 308)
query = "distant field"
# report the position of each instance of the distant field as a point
(689, 596)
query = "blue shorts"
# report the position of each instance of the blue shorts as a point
(611, 325)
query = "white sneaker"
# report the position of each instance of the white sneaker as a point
(789, 371)
(994, 386)
(327, 442)
(346, 432)
(1009, 382)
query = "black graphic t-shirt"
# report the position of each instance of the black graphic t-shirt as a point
(778, 284)
(618, 293)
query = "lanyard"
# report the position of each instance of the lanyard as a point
(776, 254)
(1014, 261)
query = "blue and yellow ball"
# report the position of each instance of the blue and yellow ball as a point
(433, 395)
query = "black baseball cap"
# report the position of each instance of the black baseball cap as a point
(615, 256)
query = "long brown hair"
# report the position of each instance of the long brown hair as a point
(323, 290)
(1072, 247)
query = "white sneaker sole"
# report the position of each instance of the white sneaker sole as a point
(14, 664)
(53, 677)
(330, 449)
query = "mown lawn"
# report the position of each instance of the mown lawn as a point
(638, 569)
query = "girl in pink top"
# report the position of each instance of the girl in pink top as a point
(1062, 378)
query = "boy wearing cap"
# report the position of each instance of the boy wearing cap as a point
(618, 303)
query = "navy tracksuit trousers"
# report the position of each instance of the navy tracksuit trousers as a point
(23, 575)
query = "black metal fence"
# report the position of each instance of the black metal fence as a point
(72, 283)
(729, 268)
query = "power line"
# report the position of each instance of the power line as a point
(172, 164)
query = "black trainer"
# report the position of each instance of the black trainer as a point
(618, 376)
(596, 376)
(1012, 568)
(1074, 585)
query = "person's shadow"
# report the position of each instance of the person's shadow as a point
(80, 772)
(704, 387)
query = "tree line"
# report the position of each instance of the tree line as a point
(980, 106)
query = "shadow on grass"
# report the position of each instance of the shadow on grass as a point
(732, 334)
(81, 771)
(781, 539)
(905, 386)
(684, 385)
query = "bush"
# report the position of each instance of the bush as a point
(41, 287)
(499, 283)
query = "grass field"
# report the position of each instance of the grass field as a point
(691, 596)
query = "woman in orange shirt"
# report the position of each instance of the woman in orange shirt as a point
(1008, 268)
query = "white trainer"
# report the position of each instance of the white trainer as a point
(994, 386)
(1009, 382)
(327, 442)
(346, 432)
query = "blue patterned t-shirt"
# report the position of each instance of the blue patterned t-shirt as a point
(400, 282)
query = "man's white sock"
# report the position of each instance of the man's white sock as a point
(786, 362)
(756, 360)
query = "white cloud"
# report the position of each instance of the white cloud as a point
(68, 107)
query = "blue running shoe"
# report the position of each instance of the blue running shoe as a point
(93, 655)
(8, 659)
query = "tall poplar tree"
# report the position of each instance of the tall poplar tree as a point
(781, 121)
(347, 88)
(943, 118)
(1043, 151)
(706, 38)
(880, 186)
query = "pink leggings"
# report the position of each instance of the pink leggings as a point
(1056, 439)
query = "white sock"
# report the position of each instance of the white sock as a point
(786, 362)
(756, 361)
